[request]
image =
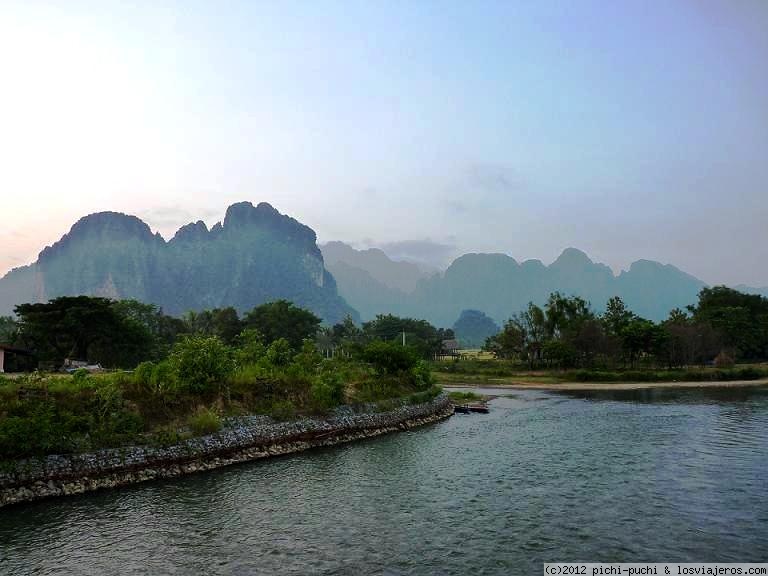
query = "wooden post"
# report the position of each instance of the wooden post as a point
(2, 360)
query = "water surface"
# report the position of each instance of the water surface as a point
(630, 476)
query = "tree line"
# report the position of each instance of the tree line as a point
(724, 326)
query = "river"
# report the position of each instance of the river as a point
(636, 476)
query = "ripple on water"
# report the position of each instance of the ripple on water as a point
(542, 478)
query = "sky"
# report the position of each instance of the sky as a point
(633, 129)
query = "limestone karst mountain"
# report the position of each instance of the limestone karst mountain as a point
(499, 286)
(255, 255)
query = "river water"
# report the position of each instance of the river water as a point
(662, 476)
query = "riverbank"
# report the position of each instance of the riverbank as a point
(576, 386)
(241, 440)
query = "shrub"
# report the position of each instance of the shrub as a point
(423, 376)
(204, 421)
(249, 347)
(326, 393)
(163, 378)
(80, 377)
(279, 353)
(143, 374)
(200, 363)
(282, 410)
(389, 358)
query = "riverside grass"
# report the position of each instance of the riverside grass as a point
(478, 371)
(63, 414)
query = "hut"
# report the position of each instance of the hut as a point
(448, 349)
(6, 350)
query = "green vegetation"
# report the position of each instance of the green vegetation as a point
(726, 326)
(190, 379)
(464, 397)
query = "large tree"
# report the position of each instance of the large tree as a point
(83, 328)
(419, 334)
(281, 319)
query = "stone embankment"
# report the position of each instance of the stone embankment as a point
(240, 440)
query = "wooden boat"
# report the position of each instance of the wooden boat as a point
(481, 408)
(469, 408)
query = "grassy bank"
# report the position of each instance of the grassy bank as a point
(499, 371)
(193, 393)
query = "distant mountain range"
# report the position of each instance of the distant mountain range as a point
(499, 286)
(255, 255)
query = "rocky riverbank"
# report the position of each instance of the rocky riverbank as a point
(241, 440)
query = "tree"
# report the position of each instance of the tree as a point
(201, 363)
(740, 319)
(390, 359)
(616, 316)
(419, 334)
(163, 329)
(221, 322)
(281, 319)
(564, 316)
(8, 329)
(84, 328)
(508, 343)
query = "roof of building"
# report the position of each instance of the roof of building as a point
(451, 345)
(14, 349)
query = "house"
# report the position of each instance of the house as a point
(449, 349)
(8, 350)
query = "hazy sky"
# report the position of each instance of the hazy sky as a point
(627, 129)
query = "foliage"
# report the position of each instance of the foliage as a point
(388, 358)
(200, 379)
(220, 322)
(83, 328)
(281, 319)
(460, 397)
(204, 421)
(740, 319)
(201, 363)
(8, 330)
(420, 335)
(726, 325)
(249, 347)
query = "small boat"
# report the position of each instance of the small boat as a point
(469, 408)
(481, 408)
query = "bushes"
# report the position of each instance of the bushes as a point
(201, 363)
(204, 421)
(388, 358)
(282, 410)
(82, 412)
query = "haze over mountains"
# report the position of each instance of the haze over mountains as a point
(500, 286)
(257, 254)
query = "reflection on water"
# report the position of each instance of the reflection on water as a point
(640, 476)
(704, 395)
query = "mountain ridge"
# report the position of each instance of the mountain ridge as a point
(499, 285)
(255, 255)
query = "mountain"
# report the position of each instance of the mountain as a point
(499, 286)
(255, 255)
(397, 276)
